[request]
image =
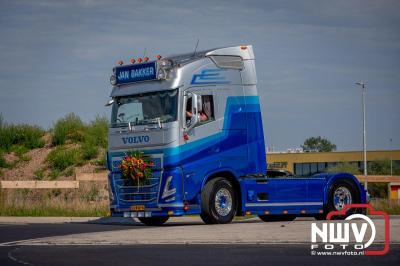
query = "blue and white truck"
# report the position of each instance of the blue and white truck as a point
(198, 117)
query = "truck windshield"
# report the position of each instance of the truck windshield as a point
(145, 108)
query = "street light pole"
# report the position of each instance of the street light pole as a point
(364, 133)
(391, 158)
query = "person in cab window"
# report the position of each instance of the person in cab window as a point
(205, 113)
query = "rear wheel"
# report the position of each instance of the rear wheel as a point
(154, 221)
(341, 193)
(218, 202)
(276, 218)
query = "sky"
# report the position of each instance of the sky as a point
(56, 57)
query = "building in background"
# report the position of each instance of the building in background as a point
(307, 163)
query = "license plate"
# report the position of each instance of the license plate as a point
(137, 208)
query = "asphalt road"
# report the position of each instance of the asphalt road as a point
(183, 255)
(17, 232)
(90, 244)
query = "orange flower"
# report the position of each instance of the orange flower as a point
(136, 165)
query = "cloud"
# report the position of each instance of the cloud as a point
(57, 57)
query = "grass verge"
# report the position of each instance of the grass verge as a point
(90, 201)
(391, 207)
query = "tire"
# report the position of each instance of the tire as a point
(340, 188)
(321, 216)
(205, 218)
(276, 218)
(154, 221)
(218, 202)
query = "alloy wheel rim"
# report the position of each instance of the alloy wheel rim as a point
(223, 202)
(341, 197)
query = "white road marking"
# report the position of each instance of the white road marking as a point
(10, 256)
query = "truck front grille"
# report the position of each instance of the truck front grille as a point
(129, 192)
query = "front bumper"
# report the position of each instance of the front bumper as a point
(165, 211)
(161, 196)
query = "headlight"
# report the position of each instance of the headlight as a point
(166, 64)
(162, 74)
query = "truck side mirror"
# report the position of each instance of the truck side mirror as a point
(192, 115)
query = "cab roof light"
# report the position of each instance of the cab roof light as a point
(139, 60)
(146, 59)
(133, 60)
(120, 62)
(158, 57)
(243, 47)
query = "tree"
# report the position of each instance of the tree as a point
(318, 144)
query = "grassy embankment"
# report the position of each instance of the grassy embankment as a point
(70, 144)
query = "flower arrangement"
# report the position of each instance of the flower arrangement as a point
(136, 165)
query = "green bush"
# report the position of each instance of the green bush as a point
(60, 158)
(96, 132)
(69, 127)
(19, 150)
(69, 171)
(89, 151)
(39, 173)
(378, 190)
(102, 161)
(344, 167)
(26, 136)
(54, 174)
(382, 167)
(3, 162)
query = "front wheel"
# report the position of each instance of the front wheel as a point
(154, 221)
(218, 202)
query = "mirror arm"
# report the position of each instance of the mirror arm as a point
(195, 113)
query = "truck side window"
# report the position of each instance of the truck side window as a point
(206, 111)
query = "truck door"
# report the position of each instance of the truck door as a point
(200, 150)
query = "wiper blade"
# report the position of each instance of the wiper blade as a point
(140, 123)
(119, 124)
